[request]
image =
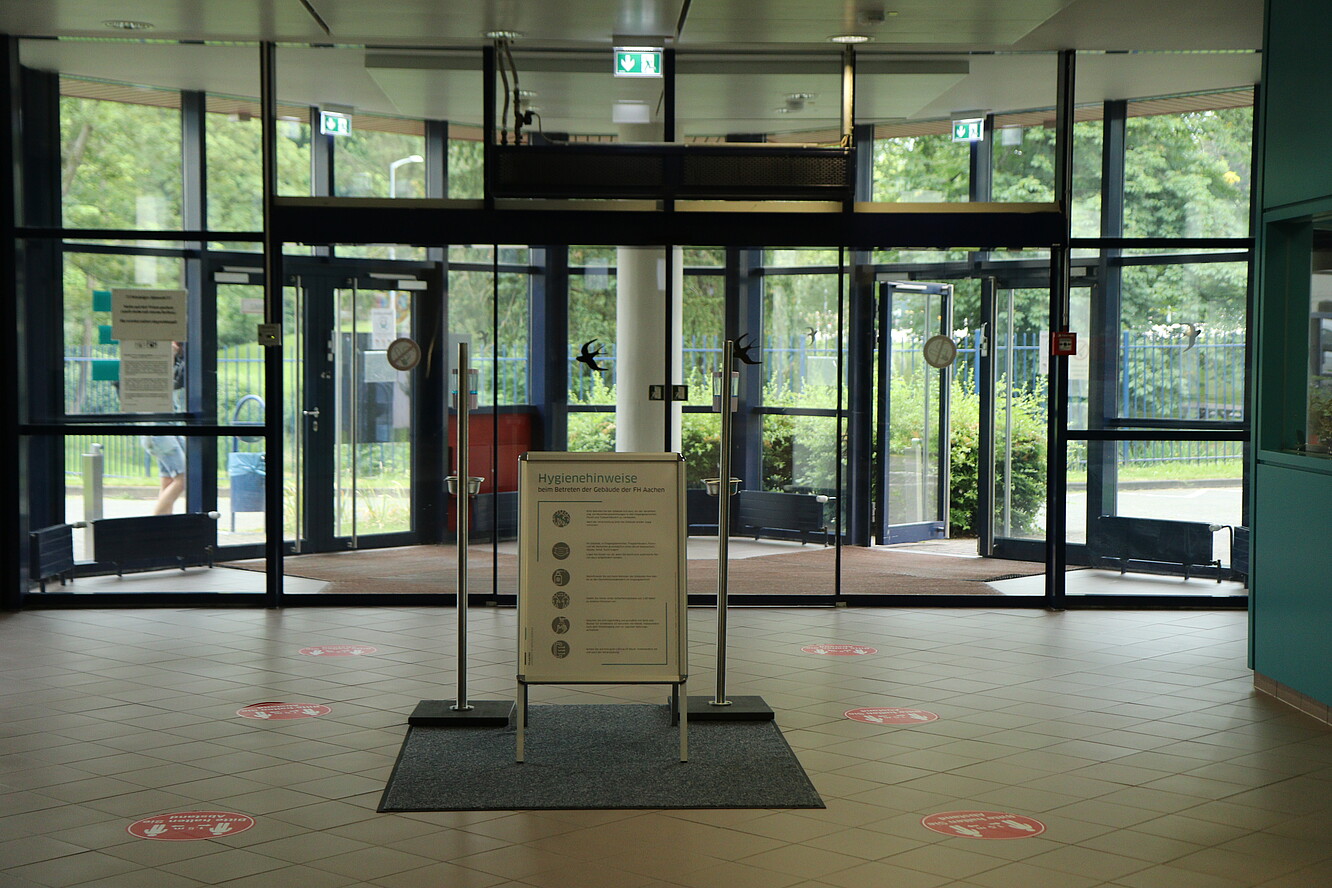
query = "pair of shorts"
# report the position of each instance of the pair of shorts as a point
(169, 451)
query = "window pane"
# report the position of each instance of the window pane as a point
(383, 157)
(1188, 175)
(120, 158)
(92, 357)
(1181, 349)
(465, 169)
(235, 162)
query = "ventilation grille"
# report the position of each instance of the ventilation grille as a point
(698, 172)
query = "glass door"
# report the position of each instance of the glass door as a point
(1014, 379)
(912, 407)
(351, 416)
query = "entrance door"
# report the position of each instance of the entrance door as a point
(352, 419)
(1013, 392)
(912, 430)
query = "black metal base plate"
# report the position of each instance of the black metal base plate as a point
(741, 709)
(441, 714)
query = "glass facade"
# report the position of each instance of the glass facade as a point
(841, 418)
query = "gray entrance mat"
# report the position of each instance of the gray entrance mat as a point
(598, 756)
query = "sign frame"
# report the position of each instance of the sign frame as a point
(635, 502)
(645, 61)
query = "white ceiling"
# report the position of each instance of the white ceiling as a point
(782, 46)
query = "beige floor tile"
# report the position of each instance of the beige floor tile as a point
(1135, 737)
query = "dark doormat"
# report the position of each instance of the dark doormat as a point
(598, 756)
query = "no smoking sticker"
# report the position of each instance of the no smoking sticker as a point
(189, 826)
(280, 711)
(339, 650)
(839, 650)
(890, 715)
(983, 825)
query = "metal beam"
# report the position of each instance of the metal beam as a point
(1056, 474)
(273, 366)
(427, 223)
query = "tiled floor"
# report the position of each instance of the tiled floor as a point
(1136, 737)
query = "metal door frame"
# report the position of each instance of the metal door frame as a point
(884, 533)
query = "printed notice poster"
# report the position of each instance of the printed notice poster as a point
(148, 314)
(383, 328)
(602, 589)
(146, 376)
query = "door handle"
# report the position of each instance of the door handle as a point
(314, 412)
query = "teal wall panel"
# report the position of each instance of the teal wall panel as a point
(1292, 578)
(1297, 70)
(1291, 494)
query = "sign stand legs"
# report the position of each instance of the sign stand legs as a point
(462, 712)
(722, 707)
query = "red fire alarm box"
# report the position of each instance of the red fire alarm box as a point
(1063, 344)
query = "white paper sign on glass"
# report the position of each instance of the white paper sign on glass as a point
(148, 314)
(146, 376)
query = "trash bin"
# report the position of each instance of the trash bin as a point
(246, 468)
(247, 483)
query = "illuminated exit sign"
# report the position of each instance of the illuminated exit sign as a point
(632, 61)
(969, 130)
(334, 123)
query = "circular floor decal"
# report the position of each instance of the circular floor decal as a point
(188, 826)
(983, 825)
(339, 650)
(279, 711)
(839, 650)
(875, 715)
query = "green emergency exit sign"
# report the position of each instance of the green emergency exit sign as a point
(970, 130)
(335, 123)
(637, 62)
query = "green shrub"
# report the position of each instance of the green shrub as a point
(1028, 469)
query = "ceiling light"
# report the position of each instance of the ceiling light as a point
(127, 25)
(502, 35)
(799, 97)
(850, 38)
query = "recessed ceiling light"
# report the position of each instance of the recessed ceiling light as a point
(503, 35)
(127, 25)
(850, 38)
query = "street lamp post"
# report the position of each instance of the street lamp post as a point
(393, 184)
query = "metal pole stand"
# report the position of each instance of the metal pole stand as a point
(462, 712)
(720, 707)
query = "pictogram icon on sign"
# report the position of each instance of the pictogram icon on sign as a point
(890, 715)
(403, 353)
(188, 826)
(839, 650)
(983, 825)
(282, 711)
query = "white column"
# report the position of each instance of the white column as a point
(640, 346)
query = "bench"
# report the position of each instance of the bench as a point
(780, 515)
(1149, 544)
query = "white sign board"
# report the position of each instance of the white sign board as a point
(146, 376)
(383, 322)
(601, 568)
(148, 314)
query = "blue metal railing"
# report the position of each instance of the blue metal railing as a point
(1158, 380)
